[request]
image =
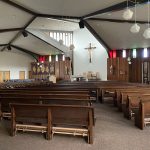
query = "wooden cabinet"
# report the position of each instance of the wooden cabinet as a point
(119, 69)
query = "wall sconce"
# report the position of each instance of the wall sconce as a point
(129, 60)
(111, 70)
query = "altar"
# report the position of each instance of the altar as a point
(78, 78)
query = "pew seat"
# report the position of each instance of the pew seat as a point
(53, 119)
(142, 115)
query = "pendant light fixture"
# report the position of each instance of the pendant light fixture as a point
(135, 28)
(128, 14)
(146, 33)
(71, 47)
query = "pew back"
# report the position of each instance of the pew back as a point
(62, 119)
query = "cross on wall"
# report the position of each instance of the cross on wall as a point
(90, 48)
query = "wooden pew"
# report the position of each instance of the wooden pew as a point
(113, 91)
(142, 115)
(51, 91)
(93, 90)
(132, 104)
(5, 101)
(130, 92)
(53, 119)
(40, 95)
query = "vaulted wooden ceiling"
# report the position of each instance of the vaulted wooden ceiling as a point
(102, 17)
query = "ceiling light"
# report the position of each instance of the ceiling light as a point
(71, 47)
(61, 42)
(127, 15)
(146, 33)
(135, 28)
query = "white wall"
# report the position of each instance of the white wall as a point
(82, 38)
(15, 62)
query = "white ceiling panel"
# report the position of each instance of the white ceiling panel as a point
(1, 48)
(141, 14)
(11, 17)
(35, 45)
(66, 7)
(49, 24)
(6, 37)
(118, 35)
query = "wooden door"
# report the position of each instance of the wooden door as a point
(1, 76)
(22, 75)
(29, 75)
(6, 75)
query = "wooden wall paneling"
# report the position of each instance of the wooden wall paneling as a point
(67, 69)
(115, 65)
(52, 68)
(57, 70)
(123, 69)
(108, 69)
(117, 69)
(135, 74)
(61, 69)
(112, 68)
(1, 76)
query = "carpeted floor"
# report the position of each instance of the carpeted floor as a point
(112, 132)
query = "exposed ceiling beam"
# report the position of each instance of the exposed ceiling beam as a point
(57, 16)
(3, 44)
(97, 36)
(10, 30)
(44, 41)
(30, 21)
(34, 55)
(19, 6)
(20, 31)
(25, 26)
(115, 7)
(117, 20)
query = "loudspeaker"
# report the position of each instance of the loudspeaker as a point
(24, 33)
(9, 47)
(81, 24)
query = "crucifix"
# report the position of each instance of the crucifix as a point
(90, 48)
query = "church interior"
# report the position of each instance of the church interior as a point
(74, 74)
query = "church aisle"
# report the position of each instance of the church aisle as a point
(112, 132)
